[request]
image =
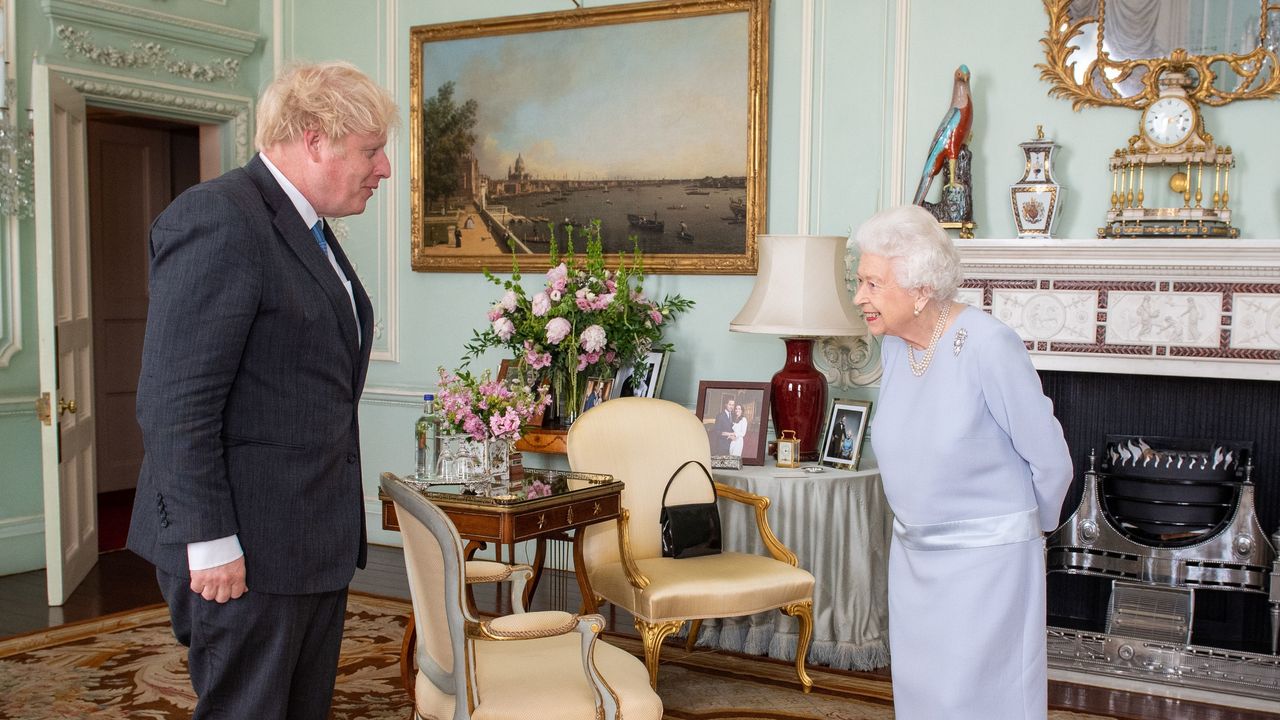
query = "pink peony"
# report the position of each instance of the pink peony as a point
(496, 312)
(541, 304)
(535, 359)
(557, 280)
(509, 300)
(557, 330)
(588, 358)
(504, 328)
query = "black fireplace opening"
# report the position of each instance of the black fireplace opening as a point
(1094, 406)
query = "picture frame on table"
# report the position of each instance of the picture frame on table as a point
(509, 144)
(597, 391)
(536, 380)
(734, 434)
(646, 383)
(846, 429)
(504, 369)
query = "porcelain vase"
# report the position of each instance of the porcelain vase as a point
(1036, 198)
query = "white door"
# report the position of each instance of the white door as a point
(66, 333)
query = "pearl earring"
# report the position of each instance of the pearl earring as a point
(916, 312)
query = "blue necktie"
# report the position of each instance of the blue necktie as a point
(318, 231)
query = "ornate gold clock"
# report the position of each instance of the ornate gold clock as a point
(1171, 179)
(1173, 149)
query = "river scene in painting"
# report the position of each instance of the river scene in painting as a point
(674, 217)
(557, 128)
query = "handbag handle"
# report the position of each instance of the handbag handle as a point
(686, 463)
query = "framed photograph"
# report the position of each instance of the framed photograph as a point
(647, 383)
(504, 369)
(596, 392)
(530, 126)
(736, 416)
(846, 428)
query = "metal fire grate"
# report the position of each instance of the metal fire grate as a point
(1151, 613)
(1163, 517)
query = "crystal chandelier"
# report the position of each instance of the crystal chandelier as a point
(16, 158)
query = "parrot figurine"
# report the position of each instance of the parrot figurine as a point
(951, 135)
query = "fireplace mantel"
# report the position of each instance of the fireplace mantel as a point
(1186, 307)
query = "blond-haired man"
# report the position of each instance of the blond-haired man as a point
(250, 502)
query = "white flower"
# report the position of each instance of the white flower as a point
(509, 300)
(593, 339)
(504, 328)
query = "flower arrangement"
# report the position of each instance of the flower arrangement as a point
(485, 408)
(584, 320)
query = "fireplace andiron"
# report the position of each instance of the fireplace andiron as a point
(1162, 518)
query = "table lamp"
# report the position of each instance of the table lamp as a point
(800, 294)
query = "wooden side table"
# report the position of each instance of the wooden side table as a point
(544, 440)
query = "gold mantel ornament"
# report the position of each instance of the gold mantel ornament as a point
(1257, 71)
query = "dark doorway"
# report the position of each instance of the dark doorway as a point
(136, 166)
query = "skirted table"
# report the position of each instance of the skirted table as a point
(839, 525)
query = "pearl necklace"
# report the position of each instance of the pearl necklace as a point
(918, 368)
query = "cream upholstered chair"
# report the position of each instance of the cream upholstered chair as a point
(521, 666)
(477, 572)
(641, 441)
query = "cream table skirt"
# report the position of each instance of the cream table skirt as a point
(839, 525)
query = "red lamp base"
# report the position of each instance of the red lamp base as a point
(798, 396)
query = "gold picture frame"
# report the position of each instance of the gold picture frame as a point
(530, 127)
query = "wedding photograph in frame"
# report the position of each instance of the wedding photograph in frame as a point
(645, 383)
(596, 392)
(532, 127)
(846, 429)
(736, 417)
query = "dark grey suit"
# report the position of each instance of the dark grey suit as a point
(251, 375)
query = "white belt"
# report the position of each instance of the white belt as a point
(978, 532)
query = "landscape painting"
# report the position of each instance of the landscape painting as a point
(648, 118)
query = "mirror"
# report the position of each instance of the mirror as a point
(1112, 52)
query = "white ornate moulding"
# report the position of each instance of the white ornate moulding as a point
(1188, 307)
(193, 50)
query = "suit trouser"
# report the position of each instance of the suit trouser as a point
(261, 656)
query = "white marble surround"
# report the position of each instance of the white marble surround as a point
(1187, 307)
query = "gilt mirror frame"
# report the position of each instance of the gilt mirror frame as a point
(1257, 75)
(463, 213)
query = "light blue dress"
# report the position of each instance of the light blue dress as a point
(974, 467)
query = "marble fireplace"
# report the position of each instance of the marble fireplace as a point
(1168, 337)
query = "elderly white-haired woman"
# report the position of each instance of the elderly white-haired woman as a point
(975, 467)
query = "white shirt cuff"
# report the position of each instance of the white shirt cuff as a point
(212, 553)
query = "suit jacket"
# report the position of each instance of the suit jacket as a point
(251, 375)
(724, 424)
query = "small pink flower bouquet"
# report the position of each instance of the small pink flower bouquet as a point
(485, 408)
(584, 318)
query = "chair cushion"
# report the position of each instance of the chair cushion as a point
(544, 679)
(481, 571)
(714, 586)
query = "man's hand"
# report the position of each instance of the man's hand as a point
(220, 583)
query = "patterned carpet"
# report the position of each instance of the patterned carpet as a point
(128, 666)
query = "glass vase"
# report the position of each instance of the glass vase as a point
(567, 385)
(477, 465)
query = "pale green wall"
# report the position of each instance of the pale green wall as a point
(855, 48)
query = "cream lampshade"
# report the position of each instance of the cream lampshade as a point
(800, 294)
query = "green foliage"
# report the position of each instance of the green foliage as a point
(585, 318)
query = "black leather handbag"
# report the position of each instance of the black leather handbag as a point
(690, 530)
